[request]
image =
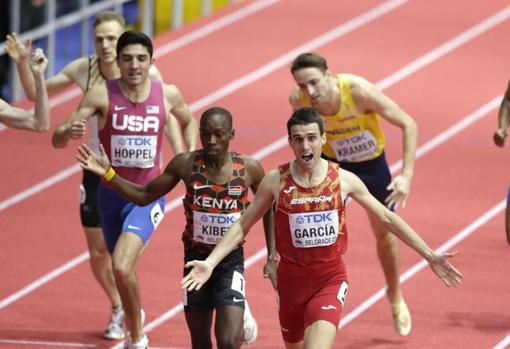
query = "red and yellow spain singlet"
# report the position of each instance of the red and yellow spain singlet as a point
(310, 222)
(212, 208)
(352, 135)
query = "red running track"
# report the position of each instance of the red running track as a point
(441, 63)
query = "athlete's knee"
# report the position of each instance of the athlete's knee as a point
(381, 234)
(229, 341)
(199, 342)
(122, 268)
(385, 237)
(99, 251)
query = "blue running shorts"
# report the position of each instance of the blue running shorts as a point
(119, 215)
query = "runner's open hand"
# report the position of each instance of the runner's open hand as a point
(16, 49)
(400, 191)
(199, 274)
(447, 272)
(99, 164)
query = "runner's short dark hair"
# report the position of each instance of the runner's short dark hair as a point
(305, 116)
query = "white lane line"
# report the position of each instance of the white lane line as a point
(447, 47)
(247, 79)
(503, 344)
(24, 342)
(275, 146)
(213, 26)
(421, 151)
(169, 47)
(458, 127)
(311, 45)
(60, 176)
(47, 343)
(43, 280)
(456, 239)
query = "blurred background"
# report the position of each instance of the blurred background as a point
(63, 27)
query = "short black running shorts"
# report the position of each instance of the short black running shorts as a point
(89, 210)
(225, 287)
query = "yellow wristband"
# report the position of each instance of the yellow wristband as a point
(109, 174)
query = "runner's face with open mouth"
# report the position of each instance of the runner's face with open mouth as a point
(306, 142)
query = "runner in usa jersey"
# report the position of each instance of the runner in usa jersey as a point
(132, 133)
(310, 278)
(86, 73)
(217, 182)
(131, 115)
(310, 222)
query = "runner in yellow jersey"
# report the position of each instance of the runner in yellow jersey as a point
(351, 108)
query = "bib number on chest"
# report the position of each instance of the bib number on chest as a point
(355, 148)
(314, 229)
(209, 228)
(133, 151)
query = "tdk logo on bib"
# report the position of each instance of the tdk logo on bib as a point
(356, 147)
(314, 229)
(135, 141)
(209, 228)
(315, 218)
(133, 151)
(218, 219)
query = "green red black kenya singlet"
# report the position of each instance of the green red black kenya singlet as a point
(211, 208)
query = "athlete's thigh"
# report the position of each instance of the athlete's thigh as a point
(229, 324)
(202, 300)
(199, 323)
(143, 220)
(89, 209)
(95, 240)
(293, 295)
(327, 301)
(126, 252)
(110, 207)
(229, 285)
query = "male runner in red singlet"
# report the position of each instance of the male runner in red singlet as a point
(87, 72)
(22, 119)
(351, 109)
(311, 236)
(131, 113)
(217, 182)
(499, 139)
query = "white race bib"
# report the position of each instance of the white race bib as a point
(314, 229)
(133, 151)
(355, 148)
(156, 215)
(209, 228)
